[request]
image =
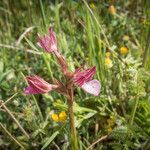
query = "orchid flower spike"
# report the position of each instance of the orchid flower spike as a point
(48, 42)
(37, 85)
(84, 80)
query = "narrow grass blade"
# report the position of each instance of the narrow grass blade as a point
(49, 140)
(9, 134)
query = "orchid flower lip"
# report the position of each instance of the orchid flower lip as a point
(93, 87)
(83, 79)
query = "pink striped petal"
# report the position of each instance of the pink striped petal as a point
(93, 87)
(37, 85)
(81, 77)
(30, 90)
(48, 42)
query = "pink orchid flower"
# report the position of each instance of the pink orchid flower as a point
(84, 80)
(37, 85)
(48, 42)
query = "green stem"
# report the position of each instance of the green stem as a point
(133, 113)
(57, 18)
(42, 12)
(38, 108)
(74, 143)
(145, 56)
(132, 117)
(48, 66)
(135, 105)
(134, 110)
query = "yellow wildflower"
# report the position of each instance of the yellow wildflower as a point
(111, 124)
(59, 118)
(111, 121)
(92, 5)
(112, 9)
(55, 117)
(123, 50)
(109, 130)
(126, 38)
(108, 54)
(108, 62)
(62, 116)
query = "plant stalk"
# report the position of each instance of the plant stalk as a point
(74, 143)
(38, 108)
(146, 51)
(134, 110)
(135, 106)
(43, 13)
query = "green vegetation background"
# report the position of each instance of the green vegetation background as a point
(85, 31)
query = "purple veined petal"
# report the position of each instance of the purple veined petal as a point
(80, 81)
(90, 73)
(48, 41)
(38, 85)
(30, 90)
(78, 70)
(52, 36)
(93, 87)
(81, 77)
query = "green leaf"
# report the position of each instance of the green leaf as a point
(1, 66)
(3, 75)
(49, 140)
(31, 44)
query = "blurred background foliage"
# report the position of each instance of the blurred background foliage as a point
(86, 31)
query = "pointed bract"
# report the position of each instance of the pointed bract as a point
(62, 61)
(80, 77)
